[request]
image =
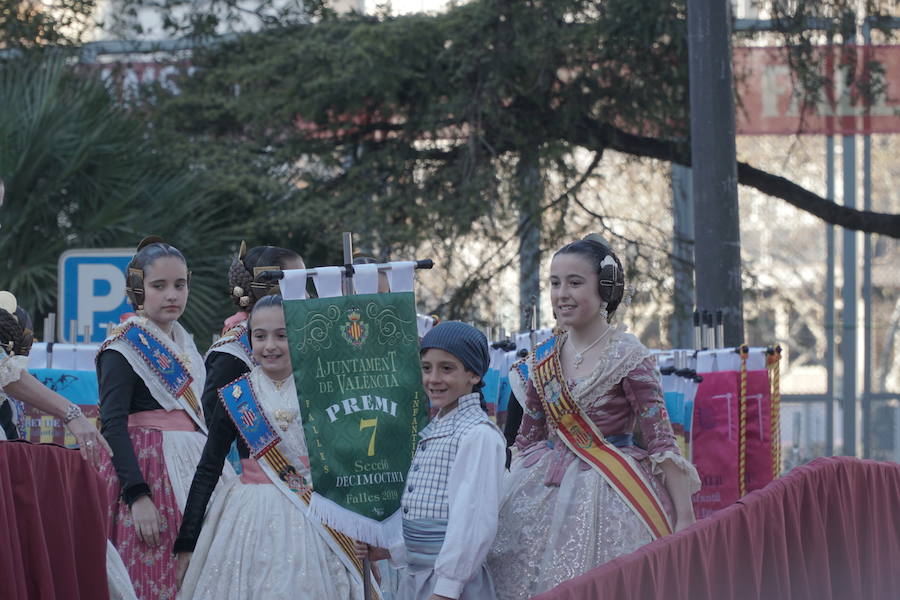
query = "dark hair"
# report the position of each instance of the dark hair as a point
(610, 277)
(245, 286)
(16, 334)
(149, 251)
(363, 257)
(265, 302)
(27, 331)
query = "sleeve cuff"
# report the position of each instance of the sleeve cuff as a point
(448, 587)
(683, 465)
(133, 492)
(398, 554)
(184, 545)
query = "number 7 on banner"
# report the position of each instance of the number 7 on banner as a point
(365, 424)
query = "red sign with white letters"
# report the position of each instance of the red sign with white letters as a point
(769, 105)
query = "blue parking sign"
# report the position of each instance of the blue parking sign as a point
(91, 292)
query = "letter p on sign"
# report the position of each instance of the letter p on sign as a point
(91, 292)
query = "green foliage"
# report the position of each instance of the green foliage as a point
(409, 130)
(80, 173)
(403, 129)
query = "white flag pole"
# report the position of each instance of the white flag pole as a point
(349, 291)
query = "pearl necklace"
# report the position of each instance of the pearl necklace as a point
(579, 354)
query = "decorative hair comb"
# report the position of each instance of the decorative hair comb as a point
(9, 303)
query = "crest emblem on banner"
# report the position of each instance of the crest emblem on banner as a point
(355, 331)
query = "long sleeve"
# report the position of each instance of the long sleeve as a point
(221, 369)
(473, 490)
(514, 414)
(643, 390)
(534, 422)
(222, 433)
(119, 386)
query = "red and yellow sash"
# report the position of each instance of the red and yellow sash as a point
(584, 439)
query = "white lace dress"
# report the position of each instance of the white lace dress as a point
(258, 543)
(11, 367)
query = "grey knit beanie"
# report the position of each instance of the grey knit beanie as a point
(462, 341)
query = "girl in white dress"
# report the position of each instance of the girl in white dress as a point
(257, 540)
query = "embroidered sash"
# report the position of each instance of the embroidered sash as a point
(168, 368)
(584, 439)
(241, 403)
(236, 342)
(251, 422)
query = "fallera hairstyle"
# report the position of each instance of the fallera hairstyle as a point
(610, 275)
(361, 257)
(245, 284)
(148, 251)
(265, 302)
(16, 335)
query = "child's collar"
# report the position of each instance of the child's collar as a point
(466, 401)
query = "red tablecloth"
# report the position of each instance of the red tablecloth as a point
(52, 525)
(829, 530)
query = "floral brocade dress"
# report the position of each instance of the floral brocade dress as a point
(156, 445)
(559, 517)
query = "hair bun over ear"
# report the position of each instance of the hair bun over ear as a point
(598, 239)
(150, 239)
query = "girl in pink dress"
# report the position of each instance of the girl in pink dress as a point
(151, 379)
(586, 393)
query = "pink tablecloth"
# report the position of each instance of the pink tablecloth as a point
(52, 525)
(829, 530)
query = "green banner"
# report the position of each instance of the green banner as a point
(359, 384)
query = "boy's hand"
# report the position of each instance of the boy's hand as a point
(373, 553)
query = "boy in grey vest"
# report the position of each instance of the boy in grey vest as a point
(452, 495)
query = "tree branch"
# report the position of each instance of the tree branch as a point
(596, 135)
